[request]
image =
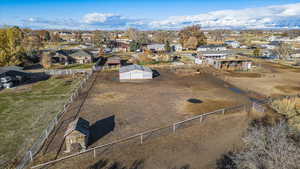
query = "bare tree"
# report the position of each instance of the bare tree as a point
(217, 35)
(190, 34)
(284, 51)
(46, 59)
(133, 34)
(269, 148)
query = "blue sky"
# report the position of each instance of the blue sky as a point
(122, 13)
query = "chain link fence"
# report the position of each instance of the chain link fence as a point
(38, 143)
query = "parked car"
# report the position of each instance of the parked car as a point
(6, 79)
(8, 85)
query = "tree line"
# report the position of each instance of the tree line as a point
(18, 46)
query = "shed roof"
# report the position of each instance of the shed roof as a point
(134, 67)
(80, 125)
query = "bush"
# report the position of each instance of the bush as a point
(269, 147)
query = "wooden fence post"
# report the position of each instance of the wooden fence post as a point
(141, 138)
(223, 111)
(30, 155)
(55, 120)
(201, 119)
(174, 128)
(94, 153)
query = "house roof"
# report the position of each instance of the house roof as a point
(60, 55)
(211, 46)
(11, 68)
(80, 53)
(155, 46)
(80, 125)
(113, 60)
(134, 67)
(227, 52)
(233, 60)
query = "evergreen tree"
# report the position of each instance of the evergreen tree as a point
(168, 47)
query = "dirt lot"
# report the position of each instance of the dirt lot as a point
(195, 147)
(272, 80)
(117, 110)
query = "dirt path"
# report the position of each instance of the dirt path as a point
(54, 143)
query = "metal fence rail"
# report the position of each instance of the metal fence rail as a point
(143, 136)
(38, 143)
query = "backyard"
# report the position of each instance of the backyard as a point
(117, 110)
(26, 110)
(270, 79)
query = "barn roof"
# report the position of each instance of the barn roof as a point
(134, 67)
(80, 125)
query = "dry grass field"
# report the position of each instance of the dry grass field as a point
(26, 110)
(272, 80)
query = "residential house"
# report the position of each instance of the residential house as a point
(296, 54)
(121, 47)
(61, 57)
(156, 47)
(177, 47)
(113, 61)
(211, 48)
(81, 57)
(232, 43)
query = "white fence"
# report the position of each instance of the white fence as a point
(37, 145)
(143, 136)
(67, 71)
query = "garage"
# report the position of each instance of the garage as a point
(135, 72)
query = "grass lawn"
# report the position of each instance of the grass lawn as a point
(26, 111)
(73, 66)
(79, 66)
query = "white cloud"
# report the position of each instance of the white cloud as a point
(100, 17)
(283, 16)
(264, 17)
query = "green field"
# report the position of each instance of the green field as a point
(26, 111)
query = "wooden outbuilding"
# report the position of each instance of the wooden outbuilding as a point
(233, 64)
(77, 133)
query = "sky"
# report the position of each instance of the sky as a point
(154, 14)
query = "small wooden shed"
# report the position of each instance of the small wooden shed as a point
(77, 132)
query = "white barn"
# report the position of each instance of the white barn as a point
(135, 72)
